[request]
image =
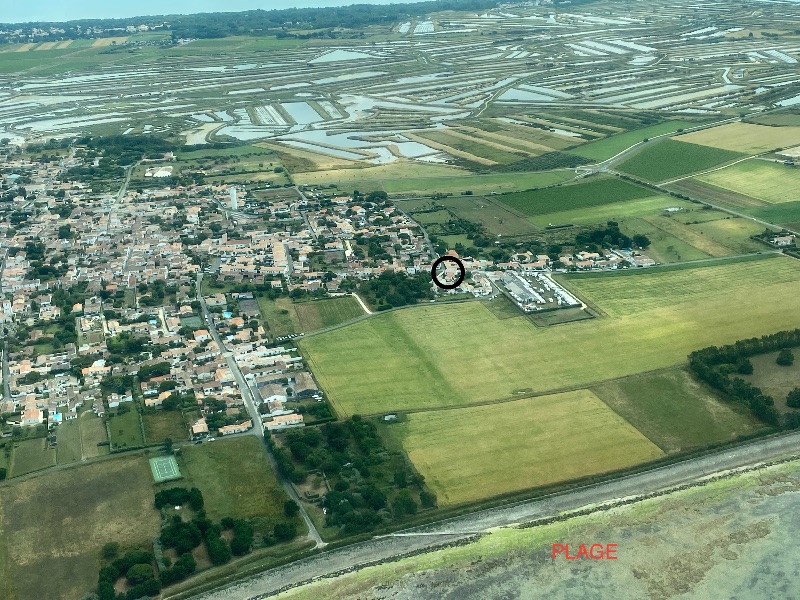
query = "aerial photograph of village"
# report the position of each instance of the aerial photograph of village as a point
(446, 299)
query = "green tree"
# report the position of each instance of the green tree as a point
(785, 358)
(290, 508)
(404, 503)
(110, 551)
(793, 398)
(139, 574)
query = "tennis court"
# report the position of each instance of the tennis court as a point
(164, 468)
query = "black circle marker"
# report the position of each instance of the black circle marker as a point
(461, 272)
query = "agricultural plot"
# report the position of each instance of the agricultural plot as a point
(664, 247)
(614, 211)
(745, 137)
(696, 189)
(497, 219)
(76, 511)
(760, 179)
(551, 439)
(732, 233)
(674, 411)
(452, 355)
(32, 455)
(668, 159)
(613, 145)
(595, 192)
(325, 313)
(248, 492)
(787, 214)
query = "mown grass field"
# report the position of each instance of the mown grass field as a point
(745, 137)
(452, 355)
(668, 159)
(595, 192)
(53, 526)
(93, 432)
(68, 436)
(664, 247)
(674, 411)
(32, 455)
(248, 491)
(610, 146)
(760, 179)
(518, 445)
(324, 313)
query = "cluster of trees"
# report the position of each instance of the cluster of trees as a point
(370, 485)
(128, 149)
(391, 289)
(137, 567)
(178, 496)
(609, 237)
(717, 367)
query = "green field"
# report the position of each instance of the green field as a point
(594, 192)
(248, 491)
(164, 424)
(668, 159)
(54, 525)
(279, 316)
(68, 436)
(767, 181)
(32, 455)
(518, 445)
(787, 214)
(126, 429)
(452, 355)
(324, 313)
(496, 217)
(93, 432)
(674, 411)
(614, 211)
(610, 146)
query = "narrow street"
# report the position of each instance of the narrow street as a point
(252, 408)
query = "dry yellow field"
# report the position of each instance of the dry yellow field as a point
(478, 452)
(398, 169)
(25, 47)
(46, 46)
(745, 137)
(64, 44)
(100, 42)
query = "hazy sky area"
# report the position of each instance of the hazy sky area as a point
(15, 11)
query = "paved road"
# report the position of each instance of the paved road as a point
(386, 547)
(252, 408)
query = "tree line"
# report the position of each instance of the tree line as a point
(718, 366)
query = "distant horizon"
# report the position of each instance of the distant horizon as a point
(57, 11)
